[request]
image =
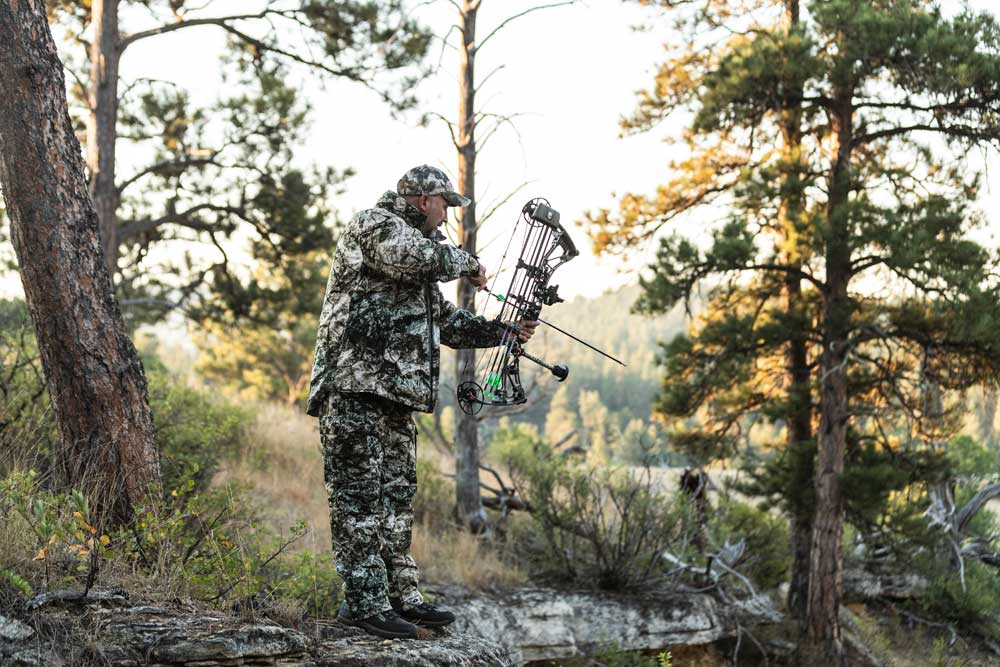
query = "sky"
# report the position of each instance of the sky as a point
(571, 71)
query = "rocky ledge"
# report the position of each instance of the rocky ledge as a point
(496, 630)
(110, 629)
(542, 624)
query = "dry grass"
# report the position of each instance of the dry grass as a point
(284, 469)
(900, 642)
(455, 557)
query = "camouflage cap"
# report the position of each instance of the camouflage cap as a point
(428, 180)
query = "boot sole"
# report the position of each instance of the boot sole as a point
(431, 624)
(379, 632)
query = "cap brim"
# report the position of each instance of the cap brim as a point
(455, 199)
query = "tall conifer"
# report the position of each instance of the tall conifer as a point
(890, 96)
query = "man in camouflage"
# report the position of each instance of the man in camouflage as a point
(377, 359)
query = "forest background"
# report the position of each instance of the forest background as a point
(228, 403)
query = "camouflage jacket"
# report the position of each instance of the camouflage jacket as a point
(384, 317)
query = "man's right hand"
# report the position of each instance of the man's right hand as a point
(479, 279)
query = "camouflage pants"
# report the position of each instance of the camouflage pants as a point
(369, 462)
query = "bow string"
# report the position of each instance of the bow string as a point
(546, 247)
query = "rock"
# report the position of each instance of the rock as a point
(151, 636)
(500, 630)
(77, 598)
(341, 646)
(13, 630)
(538, 624)
(15, 651)
(230, 646)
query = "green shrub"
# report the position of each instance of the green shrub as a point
(970, 459)
(196, 429)
(312, 581)
(768, 562)
(976, 609)
(28, 432)
(600, 527)
(614, 656)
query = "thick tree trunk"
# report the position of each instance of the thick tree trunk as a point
(822, 643)
(470, 508)
(802, 459)
(93, 374)
(102, 122)
(799, 435)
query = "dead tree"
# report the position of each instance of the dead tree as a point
(463, 133)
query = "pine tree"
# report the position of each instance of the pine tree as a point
(225, 170)
(890, 96)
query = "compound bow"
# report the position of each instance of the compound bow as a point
(546, 247)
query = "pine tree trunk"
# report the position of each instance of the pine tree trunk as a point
(102, 122)
(822, 643)
(799, 424)
(93, 374)
(801, 455)
(470, 507)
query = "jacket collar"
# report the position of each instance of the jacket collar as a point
(395, 203)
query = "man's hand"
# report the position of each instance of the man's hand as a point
(479, 280)
(526, 329)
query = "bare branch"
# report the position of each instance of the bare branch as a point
(220, 21)
(168, 164)
(136, 227)
(83, 86)
(486, 78)
(451, 127)
(519, 15)
(970, 509)
(503, 201)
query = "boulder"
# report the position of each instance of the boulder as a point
(541, 624)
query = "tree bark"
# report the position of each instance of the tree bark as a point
(470, 507)
(93, 373)
(799, 434)
(102, 125)
(823, 643)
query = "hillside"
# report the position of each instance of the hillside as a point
(607, 322)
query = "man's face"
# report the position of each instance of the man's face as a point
(436, 209)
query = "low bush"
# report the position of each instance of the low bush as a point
(196, 429)
(600, 527)
(434, 503)
(205, 546)
(768, 560)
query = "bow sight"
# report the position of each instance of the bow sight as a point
(546, 247)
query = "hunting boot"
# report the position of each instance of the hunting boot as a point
(424, 614)
(384, 624)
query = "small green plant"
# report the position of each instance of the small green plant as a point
(666, 659)
(17, 582)
(612, 655)
(767, 538)
(311, 580)
(65, 541)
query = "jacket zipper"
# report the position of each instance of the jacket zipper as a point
(430, 341)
